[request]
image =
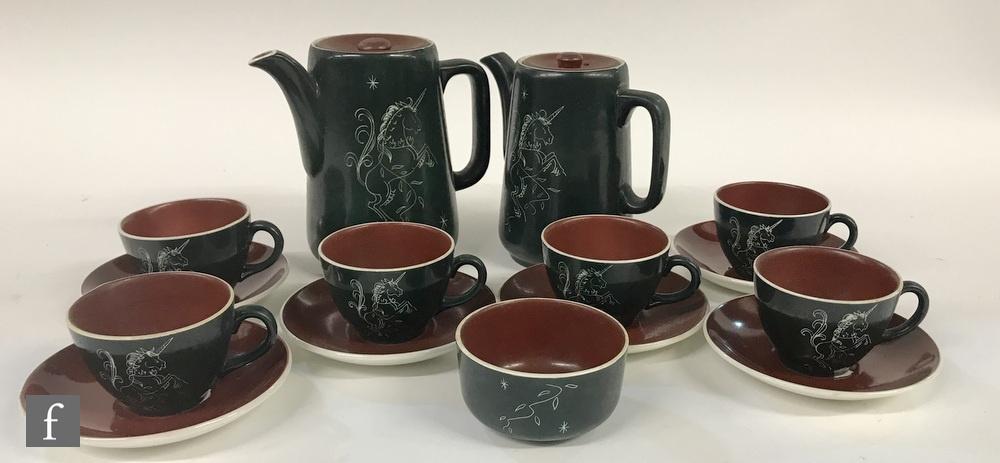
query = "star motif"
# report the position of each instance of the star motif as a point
(444, 221)
(503, 384)
(524, 95)
(372, 83)
(564, 427)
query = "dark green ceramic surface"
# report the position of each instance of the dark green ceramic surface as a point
(222, 253)
(824, 337)
(620, 289)
(567, 148)
(744, 235)
(395, 306)
(547, 408)
(372, 134)
(168, 374)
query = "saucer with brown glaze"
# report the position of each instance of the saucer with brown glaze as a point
(105, 422)
(654, 328)
(312, 320)
(735, 333)
(700, 243)
(248, 291)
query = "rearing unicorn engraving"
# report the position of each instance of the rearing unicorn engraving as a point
(390, 157)
(531, 167)
(589, 285)
(385, 307)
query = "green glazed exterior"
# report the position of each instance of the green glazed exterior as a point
(373, 137)
(540, 407)
(567, 149)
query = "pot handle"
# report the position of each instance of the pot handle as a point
(480, 159)
(659, 114)
(262, 314)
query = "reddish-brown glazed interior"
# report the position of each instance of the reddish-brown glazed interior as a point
(184, 217)
(371, 43)
(602, 237)
(827, 273)
(385, 245)
(562, 62)
(150, 303)
(542, 336)
(772, 198)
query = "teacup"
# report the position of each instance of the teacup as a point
(541, 369)
(613, 263)
(753, 217)
(825, 308)
(388, 279)
(158, 341)
(207, 235)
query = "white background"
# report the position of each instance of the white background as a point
(890, 108)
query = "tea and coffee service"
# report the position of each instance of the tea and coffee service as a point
(161, 353)
(821, 324)
(209, 235)
(619, 265)
(752, 217)
(391, 294)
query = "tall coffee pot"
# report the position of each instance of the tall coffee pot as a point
(371, 127)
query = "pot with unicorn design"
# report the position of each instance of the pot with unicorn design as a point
(567, 143)
(370, 121)
(753, 217)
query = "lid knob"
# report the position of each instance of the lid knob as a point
(569, 60)
(374, 44)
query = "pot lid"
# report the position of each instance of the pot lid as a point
(372, 43)
(568, 61)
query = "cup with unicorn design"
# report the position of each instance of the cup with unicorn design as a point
(753, 217)
(388, 279)
(208, 235)
(824, 308)
(158, 342)
(613, 263)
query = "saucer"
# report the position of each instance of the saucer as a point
(657, 327)
(734, 332)
(700, 243)
(104, 422)
(311, 319)
(248, 291)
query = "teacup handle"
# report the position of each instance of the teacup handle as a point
(466, 259)
(480, 158)
(279, 244)
(659, 115)
(262, 314)
(852, 228)
(923, 303)
(668, 298)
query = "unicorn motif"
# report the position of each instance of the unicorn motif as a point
(531, 168)
(846, 337)
(588, 287)
(390, 157)
(758, 239)
(549, 395)
(168, 259)
(385, 306)
(144, 372)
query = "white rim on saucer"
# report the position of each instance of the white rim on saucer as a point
(734, 284)
(809, 391)
(195, 430)
(651, 346)
(401, 358)
(266, 289)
